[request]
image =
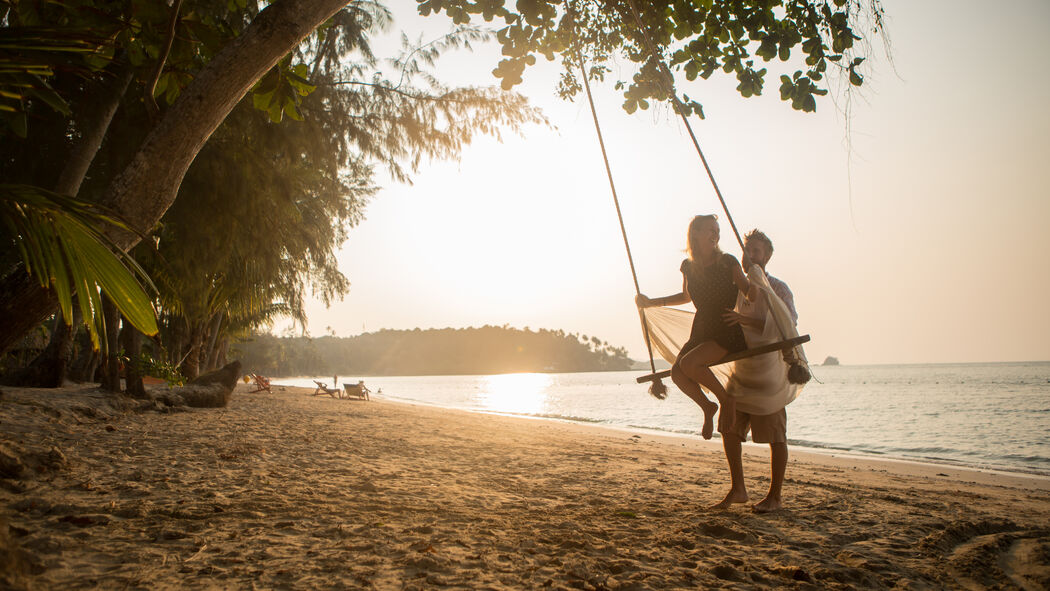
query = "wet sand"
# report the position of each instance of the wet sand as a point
(289, 491)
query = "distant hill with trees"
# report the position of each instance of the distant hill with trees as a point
(447, 351)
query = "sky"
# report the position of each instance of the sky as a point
(913, 231)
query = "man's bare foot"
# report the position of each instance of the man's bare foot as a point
(767, 505)
(709, 419)
(732, 498)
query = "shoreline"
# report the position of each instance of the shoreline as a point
(798, 453)
(963, 439)
(286, 490)
(921, 466)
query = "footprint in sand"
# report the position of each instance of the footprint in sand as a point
(988, 554)
(717, 530)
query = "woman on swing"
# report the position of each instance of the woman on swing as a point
(711, 280)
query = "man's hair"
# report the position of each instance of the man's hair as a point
(757, 234)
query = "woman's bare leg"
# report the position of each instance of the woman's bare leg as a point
(695, 364)
(696, 393)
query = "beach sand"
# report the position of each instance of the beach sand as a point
(288, 491)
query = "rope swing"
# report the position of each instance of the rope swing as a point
(797, 373)
(657, 388)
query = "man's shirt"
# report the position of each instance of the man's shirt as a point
(784, 292)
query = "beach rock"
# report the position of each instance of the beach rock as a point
(829, 360)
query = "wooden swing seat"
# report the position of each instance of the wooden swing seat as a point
(778, 346)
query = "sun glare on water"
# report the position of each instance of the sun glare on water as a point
(515, 393)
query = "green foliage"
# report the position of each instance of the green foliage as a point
(42, 40)
(468, 351)
(280, 91)
(147, 365)
(283, 193)
(61, 247)
(697, 38)
(53, 55)
(282, 180)
(29, 59)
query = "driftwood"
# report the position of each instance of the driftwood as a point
(213, 389)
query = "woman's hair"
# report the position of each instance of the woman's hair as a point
(692, 246)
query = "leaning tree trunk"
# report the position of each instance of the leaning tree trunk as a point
(93, 128)
(111, 361)
(146, 188)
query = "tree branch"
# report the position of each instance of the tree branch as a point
(151, 103)
(395, 90)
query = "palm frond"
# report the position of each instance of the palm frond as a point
(61, 246)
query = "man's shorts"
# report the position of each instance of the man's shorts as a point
(764, 428)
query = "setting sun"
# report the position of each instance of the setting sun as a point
(518, 393)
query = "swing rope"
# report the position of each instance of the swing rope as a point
(680, 108)
(797, 373)
(657, 389)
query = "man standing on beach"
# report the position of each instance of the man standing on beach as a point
(772, 428)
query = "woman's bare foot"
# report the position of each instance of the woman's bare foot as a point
(767, 505)
(732, 498)
(709, 419)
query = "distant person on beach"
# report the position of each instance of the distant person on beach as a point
(771, 428)
(711, 280)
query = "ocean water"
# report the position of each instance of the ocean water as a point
(984, 415)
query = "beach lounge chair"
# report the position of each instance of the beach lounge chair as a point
(322, 388)
(261, 383)
(357, 390)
